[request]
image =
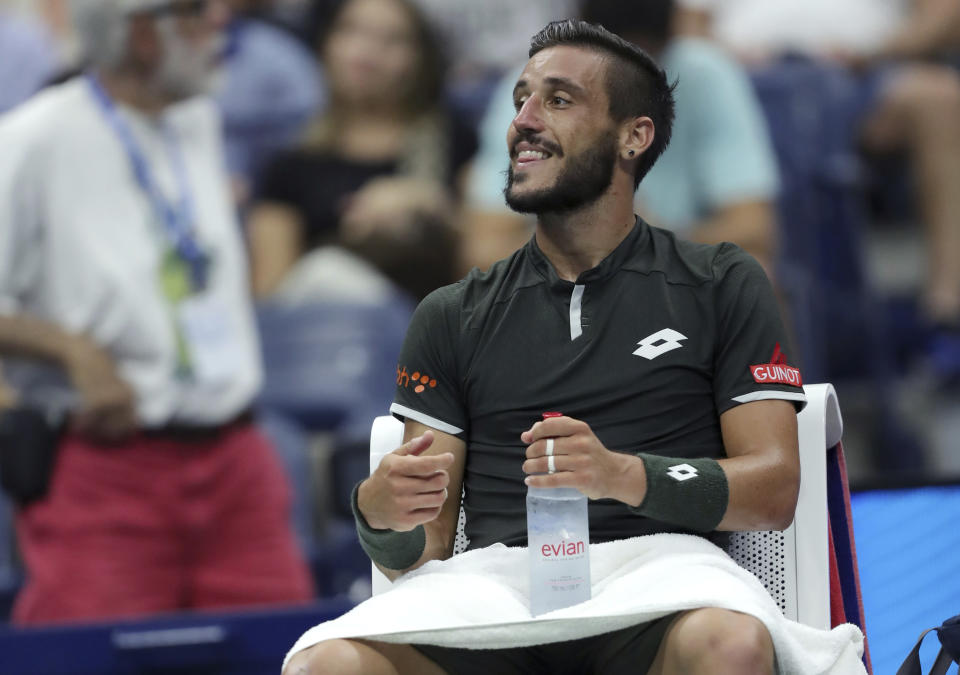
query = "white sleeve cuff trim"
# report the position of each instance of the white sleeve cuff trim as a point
(766, 395)
(433, 422)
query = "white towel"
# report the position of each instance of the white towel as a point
(480, 600)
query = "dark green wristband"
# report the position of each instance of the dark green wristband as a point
(691, 493)
(389, 548)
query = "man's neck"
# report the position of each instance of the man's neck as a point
(576, 241)
(134, 92)
(370, 136)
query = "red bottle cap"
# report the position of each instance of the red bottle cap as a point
(552, 414)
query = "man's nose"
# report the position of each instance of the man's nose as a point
(528, 117)
(219, 14)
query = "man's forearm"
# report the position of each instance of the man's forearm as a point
(22, 335)
(105, 405)
(434, 541)
(750, 225)
(438, 547)
(426, 514)
(751, 504)
(933, 26)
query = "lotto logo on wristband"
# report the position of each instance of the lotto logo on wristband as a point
(682, 472)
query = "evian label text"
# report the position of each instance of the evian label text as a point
(564, 548)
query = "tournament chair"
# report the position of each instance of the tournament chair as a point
(810, 569)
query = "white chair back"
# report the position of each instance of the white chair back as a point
(794, 565)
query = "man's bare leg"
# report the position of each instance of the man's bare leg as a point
(361, 657)
(715, 642)
(920, 112)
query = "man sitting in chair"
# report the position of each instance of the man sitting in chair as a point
(659, 352)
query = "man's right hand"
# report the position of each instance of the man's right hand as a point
(107, 409)
(407, 489)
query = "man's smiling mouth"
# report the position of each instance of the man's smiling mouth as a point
(526, 156)
(530, 150)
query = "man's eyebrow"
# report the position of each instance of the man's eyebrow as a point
(565, 83)
(556, 83)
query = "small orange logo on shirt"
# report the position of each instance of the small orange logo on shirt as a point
(419, 381)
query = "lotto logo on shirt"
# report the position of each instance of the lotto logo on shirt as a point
(777, 371)
(419, 381)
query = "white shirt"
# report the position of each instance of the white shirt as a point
(809, 26)
(80, 246)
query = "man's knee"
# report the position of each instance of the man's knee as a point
(704, 638)
(916, 106)
(331, 656)
(926, 87)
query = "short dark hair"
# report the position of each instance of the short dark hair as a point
(636, 85)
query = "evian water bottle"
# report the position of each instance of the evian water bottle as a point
(558, 540)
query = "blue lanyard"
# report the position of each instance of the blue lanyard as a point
(177, 219)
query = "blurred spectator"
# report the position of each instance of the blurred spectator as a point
(297, 17)
(715, 182)
(486, 39)
(121, 266)
(870, 29)
(718, 179)
(694, 18)
(9, 569)
(8, 397)
(377, 172)
(272, 87)
(908, 102)
(292, 15)
(28, 57)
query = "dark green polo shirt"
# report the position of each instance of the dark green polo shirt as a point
(649, 348)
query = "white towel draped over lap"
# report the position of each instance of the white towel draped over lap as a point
(480, 600)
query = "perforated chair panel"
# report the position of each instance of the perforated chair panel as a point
(765, 555)
(460, 542)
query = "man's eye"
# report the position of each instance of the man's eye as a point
(518, 103)
(559, 100)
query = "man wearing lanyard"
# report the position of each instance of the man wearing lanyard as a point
(121, 266)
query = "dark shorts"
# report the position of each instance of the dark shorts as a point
(628, 651)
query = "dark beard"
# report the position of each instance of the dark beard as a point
(585, 178)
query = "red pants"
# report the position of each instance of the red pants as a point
(156, 525)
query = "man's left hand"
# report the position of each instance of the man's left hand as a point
(581, 461)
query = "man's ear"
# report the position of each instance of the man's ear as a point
(636, 135)
(144, 45)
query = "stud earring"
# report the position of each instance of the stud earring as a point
(631, 153)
